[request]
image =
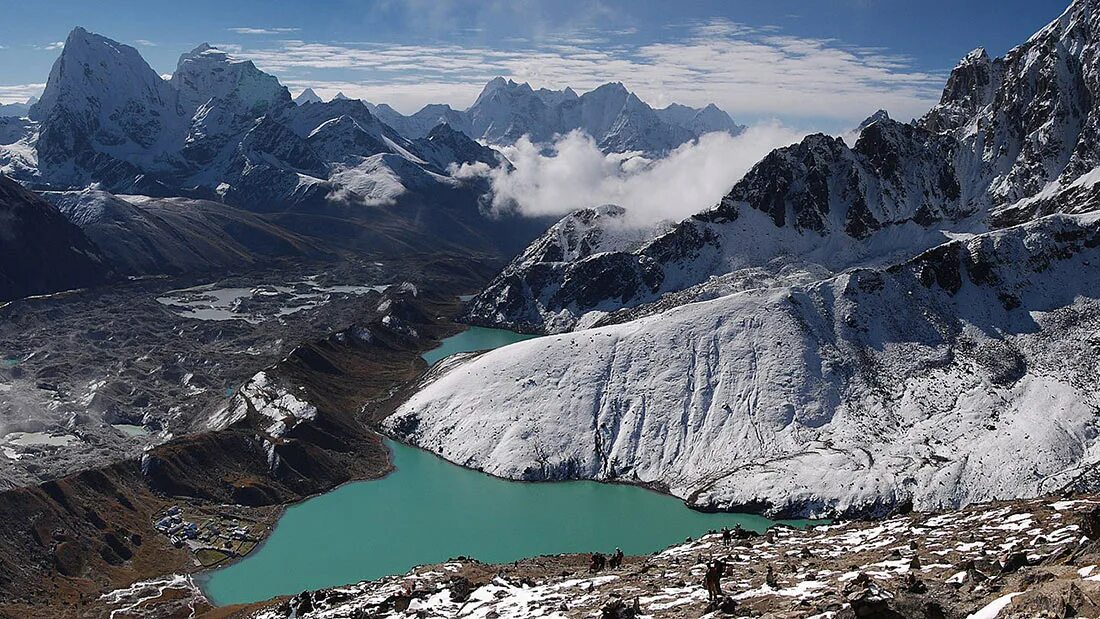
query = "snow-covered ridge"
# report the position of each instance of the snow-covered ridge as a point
(1011, 139)
(961, 375)
(615, 117)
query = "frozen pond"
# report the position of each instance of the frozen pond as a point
(12, 442)
(131, 430)
(258, 303)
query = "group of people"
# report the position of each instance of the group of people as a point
(599, 561)
(716, 568)
(728, 535)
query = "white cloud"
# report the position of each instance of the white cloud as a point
(246, 30)
(576, 174)
(19, 93)
(51, 46)
(145, 43)
(751, 72)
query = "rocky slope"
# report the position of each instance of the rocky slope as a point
(78, 519)
(1012, 138)
(1020, 559)
(41, 252)
(154, 236)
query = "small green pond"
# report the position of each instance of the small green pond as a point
(474, 339)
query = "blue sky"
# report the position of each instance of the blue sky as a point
(810, 63)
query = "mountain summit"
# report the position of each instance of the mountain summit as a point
(616, 118)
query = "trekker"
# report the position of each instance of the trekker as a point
(598, 562)
(713, 579)
(770, 579)
(616, 559)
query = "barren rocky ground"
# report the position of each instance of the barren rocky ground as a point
(1035, 558)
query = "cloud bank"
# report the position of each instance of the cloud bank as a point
(572, 173)
(18, 93)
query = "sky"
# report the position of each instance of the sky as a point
(812, 64)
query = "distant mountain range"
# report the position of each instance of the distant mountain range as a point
(355, 174)
(219, 128)
(615, 117)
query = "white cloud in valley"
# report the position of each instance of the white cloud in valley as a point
(572, 173)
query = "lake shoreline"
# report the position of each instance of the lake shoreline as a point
(203, 576)
(464, 342)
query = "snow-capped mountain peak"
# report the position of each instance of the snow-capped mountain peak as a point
(878, 116)
(307, 96)
(616, 118)
(95, 76)
(207, 72)
(102, 96)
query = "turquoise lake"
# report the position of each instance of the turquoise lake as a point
(429, 510)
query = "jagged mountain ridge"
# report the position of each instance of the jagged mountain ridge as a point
(220, 130)
(613, 116)
(1011, 139)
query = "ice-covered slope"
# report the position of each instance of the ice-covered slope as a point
(1011, 139)
(206, 73)
(961, 375)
